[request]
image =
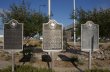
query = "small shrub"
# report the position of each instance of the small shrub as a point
(32, 42)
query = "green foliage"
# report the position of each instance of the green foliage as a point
(27, 68)
(97, 70)
(98, 16)
(32, 20)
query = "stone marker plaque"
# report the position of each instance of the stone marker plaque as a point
(89, 36)
(13, 34)
(52, 36)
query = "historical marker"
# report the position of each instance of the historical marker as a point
(52, 36)
(89, 36)
(13, 35)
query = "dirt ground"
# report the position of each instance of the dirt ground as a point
(61, 66)
(71, 60)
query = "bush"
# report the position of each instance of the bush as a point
(26, 68)
(33, 42)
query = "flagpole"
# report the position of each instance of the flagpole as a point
(74, 22)
(49, 16)
(49, 8)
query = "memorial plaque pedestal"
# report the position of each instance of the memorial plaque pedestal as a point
(52, 38)
(89, 39)
(89, 60)
(13, 61)
(13, 38)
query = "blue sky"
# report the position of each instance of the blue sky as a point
(61, 9)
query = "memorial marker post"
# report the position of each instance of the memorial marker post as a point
(52, 37)
(13, 35)
(89, 38)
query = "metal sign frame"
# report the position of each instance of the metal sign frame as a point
(89, 24)
(53, 21)
(15, 21)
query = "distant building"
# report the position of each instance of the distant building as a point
(69, 32)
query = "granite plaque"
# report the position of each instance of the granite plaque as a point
(89, 36)
(13, 35)
(52, 36)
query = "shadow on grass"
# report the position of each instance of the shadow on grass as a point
(74, 51)
(47, 58)
(37, 50)
(27, 54)
(72, 60)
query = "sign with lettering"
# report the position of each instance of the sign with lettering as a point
(52, 36)
(13, 35)
(89, 36)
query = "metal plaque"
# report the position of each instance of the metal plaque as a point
(52, 36)
(13, 35)
(89, 36)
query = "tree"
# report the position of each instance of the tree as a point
(98, 16)
(32, 20)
